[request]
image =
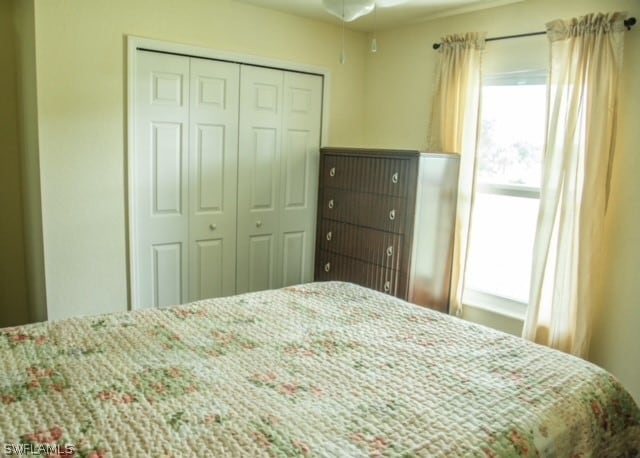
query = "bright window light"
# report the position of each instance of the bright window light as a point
(501, 242)
(507, 194)
(512, 134)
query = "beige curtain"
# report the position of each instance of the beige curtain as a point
(454, 122)
(586, 59)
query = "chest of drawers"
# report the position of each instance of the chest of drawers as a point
(385, 221)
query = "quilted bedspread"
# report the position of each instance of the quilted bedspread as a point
(322, 369)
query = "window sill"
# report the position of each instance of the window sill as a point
(495, 304)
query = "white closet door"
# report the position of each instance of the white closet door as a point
(213, 151)
(261, 109)
(277, 177)
(225, 169)
(161, 179)
(299, 176)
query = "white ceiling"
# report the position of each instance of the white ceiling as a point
(406, 12)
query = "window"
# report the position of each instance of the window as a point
(507, 192)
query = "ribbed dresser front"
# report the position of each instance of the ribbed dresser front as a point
(366, 205)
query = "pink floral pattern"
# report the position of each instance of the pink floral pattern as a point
(323, 369)
(373, 445)
(185, 313)
(290, 389)
(324, 344)
(15, 336)
(151, 385)
(38, 381)
(228, 341)
(64, 444)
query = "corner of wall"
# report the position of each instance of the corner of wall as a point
(27, 110)
(13, 294)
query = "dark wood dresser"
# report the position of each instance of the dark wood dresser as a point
(386, 220)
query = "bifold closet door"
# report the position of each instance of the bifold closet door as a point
(185, 165)
(161, 165)
(277, 177)
(299, 176)
(225, 170)
(213, 159)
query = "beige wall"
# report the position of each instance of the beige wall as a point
(13, 288)
(81, 83)
(399, 84)
(616, 339)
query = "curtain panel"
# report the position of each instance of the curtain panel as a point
(585, 65)
(454, 125)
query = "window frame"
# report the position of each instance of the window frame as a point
(486, 300)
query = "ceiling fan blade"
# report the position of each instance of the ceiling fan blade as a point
(353, 9)
(390, 3)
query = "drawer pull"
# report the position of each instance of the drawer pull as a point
(327, 267)
(329, 236)
(392, 215)
(389, 251)
(258, 223)
(387, 286)
(332, 172)
(331, 203)
(213, 227)
(394, 178)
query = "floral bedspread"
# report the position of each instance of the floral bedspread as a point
(323, 369)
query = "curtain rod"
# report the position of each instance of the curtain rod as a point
(628, 23)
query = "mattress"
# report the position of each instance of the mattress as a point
(322, 369)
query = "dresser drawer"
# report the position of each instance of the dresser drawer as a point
(331, 266)
(368, 174)
(385, 213)
(339, 205)
(368, 245)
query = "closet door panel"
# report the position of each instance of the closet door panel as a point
(166, 165)
(209, 158)
(294, 258)
(263, 154)
(213, 151)
(167, 274)
(261, 262)
(160, 171)
(258, 178)
(210, 268)
(299, 176)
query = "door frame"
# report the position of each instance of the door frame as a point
(133, 44)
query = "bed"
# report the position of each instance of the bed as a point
(322, 369)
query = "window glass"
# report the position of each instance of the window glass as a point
(506, 199)
(501, 243)
(512, 134)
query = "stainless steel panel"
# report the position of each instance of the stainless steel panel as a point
(433, 233)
